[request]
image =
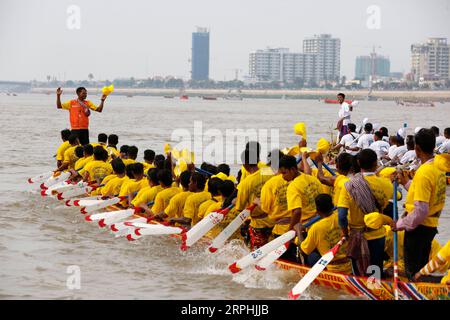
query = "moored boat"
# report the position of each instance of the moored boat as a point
(326, 100)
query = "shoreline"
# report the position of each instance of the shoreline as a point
(438, 96)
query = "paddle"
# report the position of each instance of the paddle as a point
(202, 227)
(54, 180)
(274, 255)
(120, 228)
(395, 216)
(75, 192)
(226, 233)
(40, 177)
(153, 230)
(80, 202)
(326, 167)
(98, 206)
(314, 272)
(259, 253)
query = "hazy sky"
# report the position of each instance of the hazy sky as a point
(146, 38)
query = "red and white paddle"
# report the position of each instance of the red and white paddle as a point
(259, 253)
(312, 274)
(202, 227)
(153, 230)
(226, 233)
(265, 262)
(98, 206)
(40, 177)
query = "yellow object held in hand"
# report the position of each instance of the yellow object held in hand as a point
(323, 146)
(442, 162)
(387, 172)
(300, 129)
(107, 90)
(167, 148)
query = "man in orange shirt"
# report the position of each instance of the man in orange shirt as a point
(80, 110)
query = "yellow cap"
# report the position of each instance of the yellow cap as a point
(442, 162)
(376, 220)
(387, 172)
(300, 129)
(293, 151)
(323, 146)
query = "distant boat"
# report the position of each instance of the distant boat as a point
(414, 103)
(169, 97)
(209, 98)
(129, 96)
(335, 101)
(184, 97)
(234, 95)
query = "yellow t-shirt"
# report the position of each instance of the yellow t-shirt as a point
(97, 170)
(133, 186)
(249, 189)
(163, 198)
(245, 173)
(61, 149)
(274, 202)
(428, 185)
(113, 186)
(146, 195)
(128, 161)
(175, 207)
(323, 235)
(382, 190)
(202, 210)
(82, 162)
(147, 166)
(192, 204)
(325, 189)
(70, 157)
(301, 193)
(113, 151)
(338, 185)
(98, 191)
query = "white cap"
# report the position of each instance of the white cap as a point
(401, 132)
(417, 129)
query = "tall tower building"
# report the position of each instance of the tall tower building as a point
(373, 65)
(431, 60)
(200, 54)
(328, 50)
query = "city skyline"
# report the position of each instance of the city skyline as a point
(146, 40)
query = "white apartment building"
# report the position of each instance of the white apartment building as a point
(431, 60)
(328, 50)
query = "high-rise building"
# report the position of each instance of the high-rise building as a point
(200, 54)
(328, 50)
(431, 60)
(372, 66)
(320, 61)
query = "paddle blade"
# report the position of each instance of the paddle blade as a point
(98, 206)
(41, 177)
(265, 262)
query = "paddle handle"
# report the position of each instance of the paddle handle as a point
(326, 167)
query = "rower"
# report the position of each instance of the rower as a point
(88, 156)
(112, 187)
(132, 187)
(366, 139)
(349, 140)
(364, 193)
(424, 203)
(409, 155)
(98, 169)
(176, 204)
(445, 146)
(213, 185)
(148, 194)
(113, 141)
(62, 147)
(323, 235)
(69, 155)
(149, 158)
(249, 189)
(123, 154)
(163, 197)
(102, 140)
(132, 154)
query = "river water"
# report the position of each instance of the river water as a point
(41, 240)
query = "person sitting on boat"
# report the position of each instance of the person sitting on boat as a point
(300, 194)
(424, 203)
(364, 140)
(213, 185)
(344, 115)
(80, 110)
(439, 139)
(364, 193)
(175, 207)
(323, 235)
(445, 146)
(62, 147)
(380, 146)
(194, 200)
(249, 189)
(112, 187)
(113, 141)
(148, 194)
(149, 158)
(132, 187)
(163, 197)
(385, 134)
(70, 157)
(88, 156)
(274, 202)
(123, 153)
(255, 148)
(348, 141)
(102, 140)
(132, 153)
(438, 262)
(410, 155)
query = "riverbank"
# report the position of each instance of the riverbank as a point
(271, 94)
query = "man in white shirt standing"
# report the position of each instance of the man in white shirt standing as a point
(380, 146)
(344, 115)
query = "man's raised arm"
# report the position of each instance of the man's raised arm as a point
(100, 107)
(58, 98)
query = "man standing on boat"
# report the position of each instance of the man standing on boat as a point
(80, 110)
(344, 115)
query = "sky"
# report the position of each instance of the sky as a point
(141, 39)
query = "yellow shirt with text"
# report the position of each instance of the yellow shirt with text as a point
(301, 194)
